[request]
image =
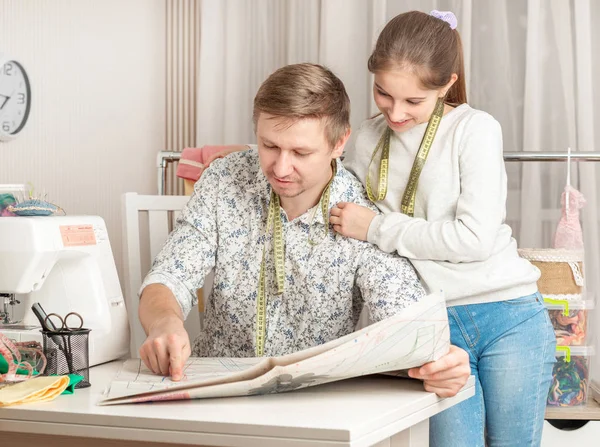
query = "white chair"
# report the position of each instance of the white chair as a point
(162, 212)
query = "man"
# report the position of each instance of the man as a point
(284, 280)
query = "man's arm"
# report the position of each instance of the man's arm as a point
(389, 283)
(228, 149)
(169, 289)
(167, 346)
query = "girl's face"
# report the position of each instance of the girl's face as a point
(402, 99)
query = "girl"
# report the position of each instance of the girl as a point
(434, 166)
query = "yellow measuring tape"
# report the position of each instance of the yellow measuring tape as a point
(384, 145)
(274, 219)
(408, 199)
(324, 202)
(261, 303)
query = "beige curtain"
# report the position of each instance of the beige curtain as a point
(534, 65)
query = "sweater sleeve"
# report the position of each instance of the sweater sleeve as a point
(480, 210)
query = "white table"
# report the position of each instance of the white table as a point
(361, 412)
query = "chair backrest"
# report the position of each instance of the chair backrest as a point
(162, 212)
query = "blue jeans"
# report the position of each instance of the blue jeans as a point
(511, 345)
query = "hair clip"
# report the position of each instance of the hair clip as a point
(446, 16)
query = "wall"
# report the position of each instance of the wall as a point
(97, 73)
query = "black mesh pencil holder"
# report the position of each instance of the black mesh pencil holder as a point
(67, 352)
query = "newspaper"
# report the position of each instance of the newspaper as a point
(416, 335)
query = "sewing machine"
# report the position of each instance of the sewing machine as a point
(66, 264)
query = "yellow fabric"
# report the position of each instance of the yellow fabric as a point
(39, 389)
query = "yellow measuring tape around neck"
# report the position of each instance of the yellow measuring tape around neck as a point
(382, 145)
(324, 204)
(274, 219)
(279, 257)
(408, 199)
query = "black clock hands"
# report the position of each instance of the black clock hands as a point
(4, 102)
(6, 98)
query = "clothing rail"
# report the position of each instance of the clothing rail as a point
(551, 156)
(165, 157)
(162, 160)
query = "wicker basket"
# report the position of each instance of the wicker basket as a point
(562, 271)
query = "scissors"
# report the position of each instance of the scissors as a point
(47, 323)
(56, 333)
(62, 331)
(64, 322)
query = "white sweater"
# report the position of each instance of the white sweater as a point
(457, 239)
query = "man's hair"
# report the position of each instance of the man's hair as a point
(301, 91)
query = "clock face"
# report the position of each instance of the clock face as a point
(15, 99)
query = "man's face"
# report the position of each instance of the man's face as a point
(295, 159)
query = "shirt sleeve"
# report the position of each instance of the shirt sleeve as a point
(388, 283)
(480, 211)
(190, 250)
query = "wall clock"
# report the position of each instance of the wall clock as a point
(15, 98)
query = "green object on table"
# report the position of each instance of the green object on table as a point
(4, 368)
(74, 379)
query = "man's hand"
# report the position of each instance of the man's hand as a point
(446, 376)
(166, 348)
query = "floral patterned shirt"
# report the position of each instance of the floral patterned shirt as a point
(326, 285)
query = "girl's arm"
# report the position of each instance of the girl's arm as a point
(480, 211)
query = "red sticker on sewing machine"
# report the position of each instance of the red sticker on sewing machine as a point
(77, 235)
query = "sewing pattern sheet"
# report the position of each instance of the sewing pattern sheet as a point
(134, 377)
(416, 335)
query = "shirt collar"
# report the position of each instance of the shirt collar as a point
(338, 192)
